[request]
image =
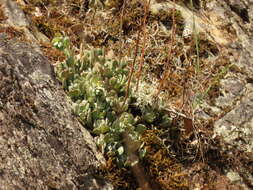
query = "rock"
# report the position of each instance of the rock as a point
(237, 87)
(236, 124)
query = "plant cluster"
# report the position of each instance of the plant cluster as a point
(97, 86)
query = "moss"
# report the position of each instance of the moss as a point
(165, 170)
(129, 22)
(162, 169)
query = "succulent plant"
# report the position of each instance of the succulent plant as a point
(97, 87)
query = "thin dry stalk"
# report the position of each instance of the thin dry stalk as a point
(121, 26)
(132, 68)
(144, 42)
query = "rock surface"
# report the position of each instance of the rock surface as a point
(42, 145)
(234, 106)
(236, 126)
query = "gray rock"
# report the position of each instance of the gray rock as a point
(42, 145)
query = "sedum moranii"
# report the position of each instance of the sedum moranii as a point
(97, 86)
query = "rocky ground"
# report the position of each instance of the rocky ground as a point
(196, 59)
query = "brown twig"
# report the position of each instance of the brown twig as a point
(121, 26)
(141, 177)
(132, 69)
(146, 7)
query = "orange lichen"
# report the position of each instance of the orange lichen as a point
(52, 54)
(11, 32)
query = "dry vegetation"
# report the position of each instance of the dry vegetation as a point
(183, 73)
